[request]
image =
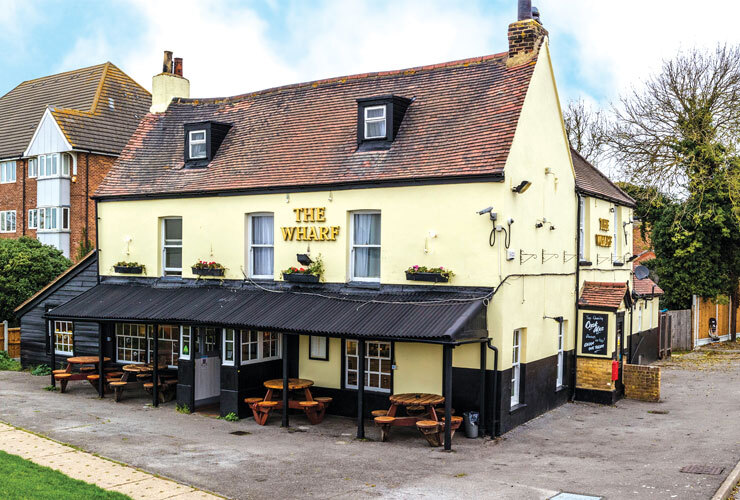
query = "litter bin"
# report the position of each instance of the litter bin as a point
(470, 420)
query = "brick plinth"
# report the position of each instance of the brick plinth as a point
(642, 382)
(594, 374)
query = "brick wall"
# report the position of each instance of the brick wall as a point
(524, 37)
(642, 382)
(594, 374)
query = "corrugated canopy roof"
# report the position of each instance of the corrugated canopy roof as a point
(438, 317)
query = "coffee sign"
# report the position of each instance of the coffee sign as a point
(595, 333)
(312, 232)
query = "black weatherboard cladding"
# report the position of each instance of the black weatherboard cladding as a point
(381, 315)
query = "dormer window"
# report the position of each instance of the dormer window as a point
(202, 141)
(379, 120)
(375, 122)
(197, 144)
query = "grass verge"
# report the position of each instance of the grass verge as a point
(23, 479)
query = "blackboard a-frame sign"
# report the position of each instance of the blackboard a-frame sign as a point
(595, 333)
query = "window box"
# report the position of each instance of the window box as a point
(433, 277)
(204, 271)
(301, 277)
(128, 269)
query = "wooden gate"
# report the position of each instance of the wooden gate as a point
(664, 336)
(14, 341)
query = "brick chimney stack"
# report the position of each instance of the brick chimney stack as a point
(525, 35)
(169, 84)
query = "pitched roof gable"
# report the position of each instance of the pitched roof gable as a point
(603, 295)
(80, 103)
(590, 181)
(647, 287)
(460, 124)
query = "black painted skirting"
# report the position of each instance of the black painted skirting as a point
(594, 396)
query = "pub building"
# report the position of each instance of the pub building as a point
(462, 168)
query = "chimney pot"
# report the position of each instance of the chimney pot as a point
(525, 9)
(167, 63)
(178, 66)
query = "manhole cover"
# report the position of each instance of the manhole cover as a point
(573, 496)
(240, 433)
(703, 469)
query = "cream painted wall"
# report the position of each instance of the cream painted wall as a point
(601, 258)
(214, 229)
(323, 373)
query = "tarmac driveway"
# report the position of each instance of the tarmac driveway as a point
(631, 450)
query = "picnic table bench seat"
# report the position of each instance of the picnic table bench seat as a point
(118, 387)
(384, 422)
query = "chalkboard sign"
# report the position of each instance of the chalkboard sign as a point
(595, 333)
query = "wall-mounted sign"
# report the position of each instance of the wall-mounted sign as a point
(310, 233)
(595, 333)
(604, 224)
(603, 241)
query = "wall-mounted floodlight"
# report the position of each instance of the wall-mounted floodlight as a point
(523, 186)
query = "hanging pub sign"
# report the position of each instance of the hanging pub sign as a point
(310, 233)
(603, 241)
(595, 333)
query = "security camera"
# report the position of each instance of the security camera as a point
(485, 210)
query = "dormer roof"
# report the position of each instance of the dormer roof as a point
(459, 124)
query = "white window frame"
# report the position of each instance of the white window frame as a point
(7, 170)
(383, 119)
(561, 355)
(50, 166)
(353, 246)
(639, 317)
(192, 142)
(33, 218)
(8, 221)
(616, 234)
(246, 335)
(33, 168)
(174, 349)
(649, 310)
(582, 229)
(251, 246)
(186, 336)
(54, 216)
(368, 372)
(64, 330)
(123, 331)
(173, 271)
(224, 343)
(516, 367)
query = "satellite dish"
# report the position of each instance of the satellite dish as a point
(641, 272)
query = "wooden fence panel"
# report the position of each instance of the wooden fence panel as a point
(681, 330)
(14, 342)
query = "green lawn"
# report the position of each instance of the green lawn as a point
(24, 480)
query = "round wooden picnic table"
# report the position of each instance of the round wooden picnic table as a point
(142, 368)
(294, 384)
(86, 360)
(416, 399)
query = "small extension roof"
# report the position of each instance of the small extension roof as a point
(460, 124)
(97, 108)
(590, 181)
(421, 316)
(647, 288)
(603, 295)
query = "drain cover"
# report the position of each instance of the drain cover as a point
(703, 469)
(573, 496)
(240, 433)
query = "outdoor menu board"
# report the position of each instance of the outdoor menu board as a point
(595, 333)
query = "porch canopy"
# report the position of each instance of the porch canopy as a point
(439, 317)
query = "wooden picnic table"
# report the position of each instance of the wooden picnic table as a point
(134, 370)
(314, 408)
(67, 375)
(419, 407)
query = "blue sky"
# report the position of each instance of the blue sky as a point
(233, 46)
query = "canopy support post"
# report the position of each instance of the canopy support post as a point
(101, 368)
(482, 391)
(284, 348)
(155, 373)
(360, 389)
(447, 361)
(53, 350)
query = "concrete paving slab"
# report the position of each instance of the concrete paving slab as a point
(194, 495)
(6, 427)
(152, 489)
(28, 446)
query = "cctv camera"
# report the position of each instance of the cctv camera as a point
(485, 210)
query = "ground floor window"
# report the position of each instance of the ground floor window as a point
(228, 347)
(63, 337)
(561, 354)
(318, 348)
(516, 368)
(260, 346)
(169, 345)
(377, 365)
(131, 343)
(185, 336)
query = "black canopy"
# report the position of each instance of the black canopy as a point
(422, 316)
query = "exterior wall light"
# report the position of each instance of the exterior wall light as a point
(523, 186)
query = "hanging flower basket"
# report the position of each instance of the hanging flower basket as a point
(431, 274)
(128, 268)
(301, 277)
(203, 268)
(310, 274)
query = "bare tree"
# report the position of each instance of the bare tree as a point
(694, 99)
(586, 130)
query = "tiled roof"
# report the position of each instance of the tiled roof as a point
(460, 124)
(590, 181)
(603, 295)
(645, 287)
(97, 108)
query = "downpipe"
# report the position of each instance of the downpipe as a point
(496, 419)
